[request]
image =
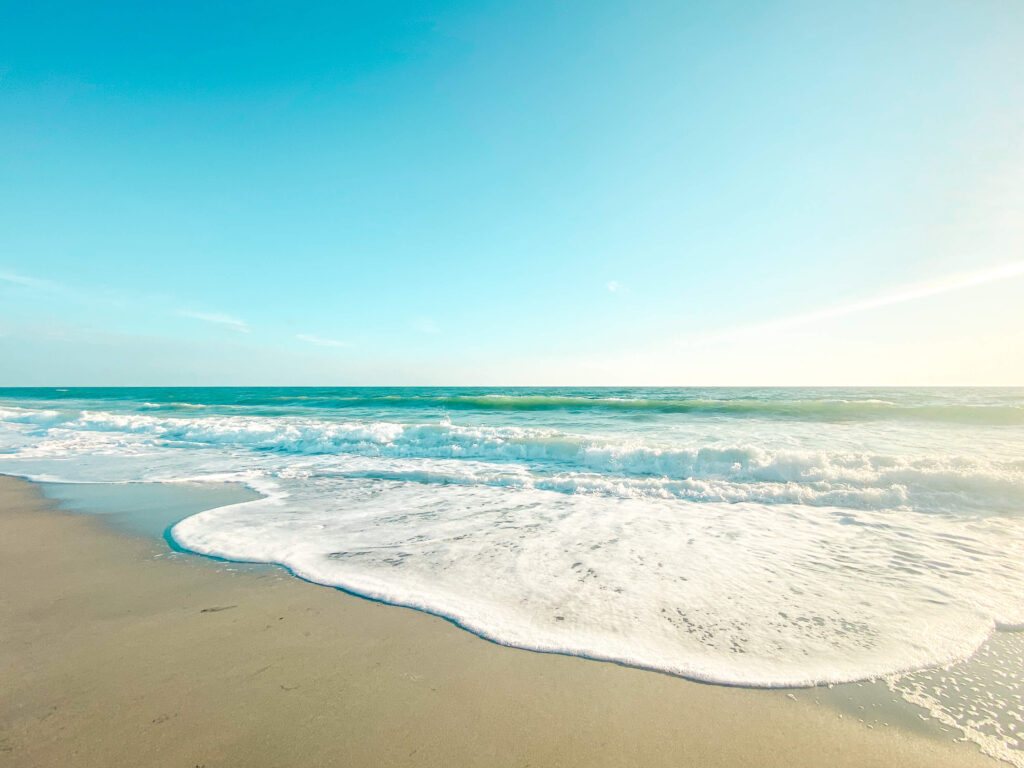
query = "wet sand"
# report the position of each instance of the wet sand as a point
(116, 652)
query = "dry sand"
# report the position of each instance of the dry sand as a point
(115, 653)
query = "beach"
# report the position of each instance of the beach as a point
(117, 651)
(512, 384)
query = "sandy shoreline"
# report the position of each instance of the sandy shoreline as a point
(113, 653)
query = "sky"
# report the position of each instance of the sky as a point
(577, 193)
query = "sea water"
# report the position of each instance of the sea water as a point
(762, 537)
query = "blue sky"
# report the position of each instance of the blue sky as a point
(518, 193)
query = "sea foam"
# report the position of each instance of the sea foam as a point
(743, 593)
(719, 546)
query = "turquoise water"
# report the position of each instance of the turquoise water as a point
(769, 537)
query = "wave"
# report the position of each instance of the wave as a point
(171, 406)
(553, 460)
(979, 407)
(914, 490)
(756, 556)
(810, 410)
(739, 594)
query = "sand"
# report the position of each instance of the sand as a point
(116, 652)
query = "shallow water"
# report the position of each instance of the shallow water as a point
(756, 537)
(145, 509)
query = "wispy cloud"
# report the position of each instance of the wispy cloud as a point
(898, 296)
(425, 324)
(26, 281)
(321, 342)
(613, 285)
(232, 323)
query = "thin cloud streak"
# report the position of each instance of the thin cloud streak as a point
(909, 293)
(26, 281)
(321, 342)
(233, 323)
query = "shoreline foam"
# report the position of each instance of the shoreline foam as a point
(115, 651)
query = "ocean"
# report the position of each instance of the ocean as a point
(757, 537)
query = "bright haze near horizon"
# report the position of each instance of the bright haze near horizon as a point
(521, 193)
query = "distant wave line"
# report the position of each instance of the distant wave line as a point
(825, 410)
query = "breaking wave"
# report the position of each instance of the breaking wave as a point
(789, 540)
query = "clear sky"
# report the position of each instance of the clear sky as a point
(512, 193)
